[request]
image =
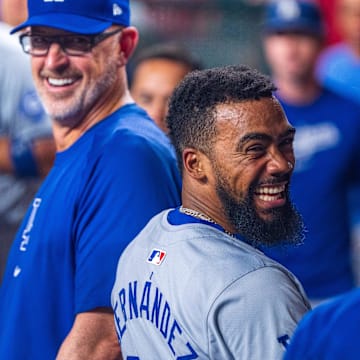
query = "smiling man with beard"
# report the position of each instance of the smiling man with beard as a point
(193, 284)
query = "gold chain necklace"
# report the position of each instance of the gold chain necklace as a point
(196, 214)
(201, 216)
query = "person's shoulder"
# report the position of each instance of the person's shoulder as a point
(130, 130)
(232, 260)
(338, 101)
(271, 278)
(141, 245)
(337, 312)
(336, 52)
(330, 330)
(132, 122)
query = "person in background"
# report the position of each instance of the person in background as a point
(155, 72)
(114, 169)
(193, 284)
(338, 66)
(327, 149)
(27, 147)
(329, 332)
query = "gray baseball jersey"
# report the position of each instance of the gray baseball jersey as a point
(191, 291)
(22, 120)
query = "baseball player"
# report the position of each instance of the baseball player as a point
(192, 284)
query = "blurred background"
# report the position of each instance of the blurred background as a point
(219, 32)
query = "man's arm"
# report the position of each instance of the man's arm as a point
(92, 336)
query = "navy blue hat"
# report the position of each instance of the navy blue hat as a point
(79, 16)
(293, 15)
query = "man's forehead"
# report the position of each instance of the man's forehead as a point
(249, 111)
(263, 116)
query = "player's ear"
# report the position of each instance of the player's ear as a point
(128, 41)
(194, 163)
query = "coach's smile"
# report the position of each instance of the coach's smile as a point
(61, 82)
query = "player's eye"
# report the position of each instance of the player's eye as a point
(287, 143)
(256, 149)
(80, 43)
(39, 42)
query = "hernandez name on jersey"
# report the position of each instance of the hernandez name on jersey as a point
(145, 300)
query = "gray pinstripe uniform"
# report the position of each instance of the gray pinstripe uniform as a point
(193, 292)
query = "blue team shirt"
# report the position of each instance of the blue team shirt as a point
(98, 196)
(329, 332)
(327, 149)
(339, 70)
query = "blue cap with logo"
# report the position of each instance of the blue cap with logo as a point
(293, 16)
(78, 16)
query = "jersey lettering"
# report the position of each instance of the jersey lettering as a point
(144, 307)
(132, 301)
(145, 302)
(191, 356)
(284, 340)
(26, 233)
(156, 307)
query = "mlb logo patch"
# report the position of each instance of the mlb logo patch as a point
(156, 257)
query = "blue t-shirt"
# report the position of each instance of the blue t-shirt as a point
(327, 149)
(339, 70)
(98, 196)
(329, 332)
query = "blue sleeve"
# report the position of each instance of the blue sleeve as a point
(311, 337)
(301, 343)
(329, 332)
(130, 182)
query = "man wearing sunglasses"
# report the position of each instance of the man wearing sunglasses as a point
(113, 171)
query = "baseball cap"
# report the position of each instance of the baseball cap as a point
(293, 15)
(78, 16)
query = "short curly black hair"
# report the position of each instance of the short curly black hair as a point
(191, 116)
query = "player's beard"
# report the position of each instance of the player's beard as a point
(285, 227)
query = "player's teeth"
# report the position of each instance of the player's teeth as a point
(60, 82)
(271, 190)
(269, 197)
